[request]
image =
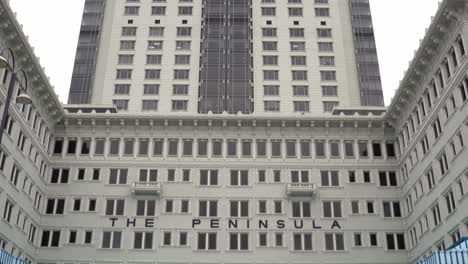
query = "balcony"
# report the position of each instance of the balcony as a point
(147, 188)
(300, 189)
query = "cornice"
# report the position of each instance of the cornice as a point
(39, 85)
(450, 12)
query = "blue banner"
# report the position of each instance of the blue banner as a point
(7, 258)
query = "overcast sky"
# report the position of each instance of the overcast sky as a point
(53, 28)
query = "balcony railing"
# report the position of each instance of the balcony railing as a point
(300, 189)
(7, 258)
(147, 188)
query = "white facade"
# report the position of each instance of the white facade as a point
(273, 15)
(96, 186)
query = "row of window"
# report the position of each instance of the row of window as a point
(436, 86)
(292, 1)
(246, 148)
(156, 31)
(20, 180)
(297, 46)
(298, 106)
(269, 90)
(151, 105)
(433, 217)
(427, 182)
(158, 10)
(233, 178)
(181, 74)
(15, 216)
(211, 207)
(237, 241)
(296, 11)
(182, 105)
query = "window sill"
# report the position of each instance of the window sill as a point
(303, 251)
(271, 214)
(434, 229)
(331, 187)
(270, 248)
(463, 198)
(207, 251)
(431, 190)
(443, 175)
(361, 183)
(140, 249)
(451, 214)
(395, 251)
(335, 251)
(457, 155)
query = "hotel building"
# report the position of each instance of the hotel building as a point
(236, 131)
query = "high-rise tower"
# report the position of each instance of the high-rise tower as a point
(201, 56)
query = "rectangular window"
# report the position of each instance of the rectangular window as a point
(246, 148)
(388, 179)
(118, 176)
(207, 208)
(153, 60)
(301, 106)
(297, 46)
(276, 148)
(239, 178)
(271, 90)
(183, 45)
(332, 209)
(239, 208)
(302, 242)
(395, 241)
(143, 240)
(57, 176)
(330, 178)
(391, 209)
(270, 60)
(125, 59)
(238, 241)
(329, 90)
(202, 147)
(301, 209)
(156, 31)
(185, 10)
(271, 106)
(217, 148)
(208, 177)
(301, 90)
(334, 241)
(296, 32)
(50, 238)
(261, 148)
(55, 206)
(146, 208)
(179, 105)
(111, 239)
(115, 207)
(180, 89)
(450, 202)
(443, 164)
(155, 44)
(207, 241)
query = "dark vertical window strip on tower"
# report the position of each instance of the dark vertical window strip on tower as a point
(366, 54)
(226, 57)
(81, 87)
